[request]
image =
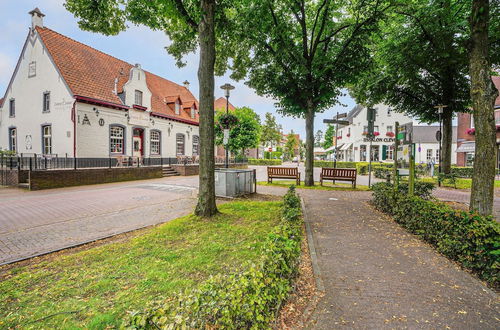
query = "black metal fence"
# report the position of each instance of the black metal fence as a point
(43, 162)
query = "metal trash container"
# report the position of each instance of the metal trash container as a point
(234, 182)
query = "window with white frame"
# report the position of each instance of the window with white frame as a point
(12, 108)
(47, 139)
(46, 102)
(390, 153)
(13, 139)
(389, 129)
(116, 139)
(192, 112)
(138, 97)
(180, 142)
(177, 107)
(437, 156)
(389, 110)
(429, 155)
(362, 153)
(196, 145)
(155, 142)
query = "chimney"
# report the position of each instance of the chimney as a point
(36, 18)
(186, 84)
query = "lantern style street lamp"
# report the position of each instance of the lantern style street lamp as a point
(227, 89)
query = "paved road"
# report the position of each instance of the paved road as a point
(33, 223)
(378, 276)
(463, 196)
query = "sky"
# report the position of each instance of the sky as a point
(138, 44)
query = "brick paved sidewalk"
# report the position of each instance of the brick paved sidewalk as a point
(34, 223)
(377, 275)
(463, 196)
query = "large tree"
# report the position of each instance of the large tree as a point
(483, 95)
(420, 60)
(245, 134)
(190, 25)
(271, 133)
(303, 52)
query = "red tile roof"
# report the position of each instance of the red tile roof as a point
(91, 73)
(220, 104)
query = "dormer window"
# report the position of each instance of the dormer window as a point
(193, 113)
(138, 97)
(177, 107)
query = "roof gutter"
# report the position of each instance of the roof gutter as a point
(90, 100)
(181, 120)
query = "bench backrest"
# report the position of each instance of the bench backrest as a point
(291, 171)
(339, 172)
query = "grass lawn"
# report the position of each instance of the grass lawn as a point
(94, 288)
(326, 185)
(462, 183)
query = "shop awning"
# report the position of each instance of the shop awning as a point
(346, 146)
(469, 146)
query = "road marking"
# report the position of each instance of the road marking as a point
(166, 187)
(333, 199)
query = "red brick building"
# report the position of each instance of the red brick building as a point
(465, 132)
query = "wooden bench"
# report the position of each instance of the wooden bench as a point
(340, 174)
(283, 173)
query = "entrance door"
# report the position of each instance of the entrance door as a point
(138, 142)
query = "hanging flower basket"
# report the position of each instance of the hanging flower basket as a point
(364, 133)
(472, 131)
(390, 134)
(228, 120)
(376, 133)
(339, 137)
(348, 135)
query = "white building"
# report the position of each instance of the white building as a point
(353, 144)
(67, 98)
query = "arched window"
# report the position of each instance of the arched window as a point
(155, 142)
(116, 139)
(180, 140)
(13, 139)
(196, 145)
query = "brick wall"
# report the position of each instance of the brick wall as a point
(68, 178)
(13, 177)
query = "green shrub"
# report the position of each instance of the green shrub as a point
(470, 239)
(269, 162)
(246, 300)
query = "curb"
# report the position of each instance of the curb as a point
(312, 249)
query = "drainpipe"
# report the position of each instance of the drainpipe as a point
(73, 118)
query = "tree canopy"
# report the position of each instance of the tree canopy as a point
(303, 52)
(290, 146)
(271, 133)
(245, 134)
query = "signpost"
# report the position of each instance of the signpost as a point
(337, 121)
(371, 115)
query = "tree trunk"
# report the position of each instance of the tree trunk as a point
(206, 206)
(446, 145)
(483, 94)
(309, 177)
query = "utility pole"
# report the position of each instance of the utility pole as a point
(370, 116)
(439, 136)
(337, 121)
(336, 132)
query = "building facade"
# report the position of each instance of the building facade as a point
(68, 99)
(466, 132)
(353, 144)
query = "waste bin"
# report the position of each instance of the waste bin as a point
(234, 182)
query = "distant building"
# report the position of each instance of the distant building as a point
(354, 145)
(466, 132)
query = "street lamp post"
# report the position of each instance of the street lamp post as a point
(440, 137)
(227, 88)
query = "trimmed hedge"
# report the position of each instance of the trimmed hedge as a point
(250, 299)
(468, 238)
(269, 162)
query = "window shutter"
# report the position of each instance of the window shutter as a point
(384, 152)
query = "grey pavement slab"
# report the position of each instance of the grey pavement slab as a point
(378, 276)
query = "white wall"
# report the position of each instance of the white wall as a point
(28, 95)
(383, 119)
(421, 156)
(93, 139)
(137, 81)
